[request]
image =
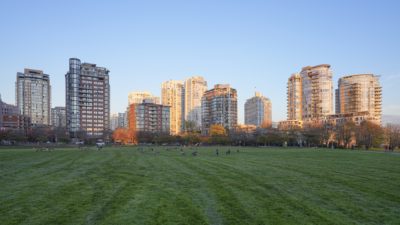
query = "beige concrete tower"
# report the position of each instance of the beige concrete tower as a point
(33, 96)
(294, 97)
(172, 94)
(257, 111)
(137, 97)
(194, 90)
(317, 97)
(360, 93)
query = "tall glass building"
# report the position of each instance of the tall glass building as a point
(33, 96)
(87, 99)
(58, 117)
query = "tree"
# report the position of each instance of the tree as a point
(262, 140)
(241, 137)
(17, 135)
(217, 130)
(392, 136)
(191, 126)
(369, 134)
(124, 136)
(191, 138)
(5, 135)
(345, 133)
(40, 134)
(269, 137)
(313, 136)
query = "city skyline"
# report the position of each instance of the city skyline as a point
(253, 47)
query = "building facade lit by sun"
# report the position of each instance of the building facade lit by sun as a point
(317, 92)
(194, 91)
(258, 111)
(219, 106)
(136, 97)
(294, 97)
(360, 93)
(173, 95)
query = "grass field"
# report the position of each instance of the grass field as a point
(253, 186)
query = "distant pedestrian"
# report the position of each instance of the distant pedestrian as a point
(217, 152)
(99, 147)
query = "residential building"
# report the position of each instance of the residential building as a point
(172, 94)
(360, 93)
(7, 108)
(257, 111)
(136, 97)
(11, 119)
(317, 94)
(122, 120)
(58, 117)
(87, 99)
(332, 120)
(194, 89)
(113, 121)
(294, 97)
(246, 128)
(149, 117)
(219, 106)
(33, 96)
(290, 125)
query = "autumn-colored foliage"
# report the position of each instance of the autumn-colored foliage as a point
(217, 130)
(125, 136)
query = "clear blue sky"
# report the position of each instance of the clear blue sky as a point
(248, 44)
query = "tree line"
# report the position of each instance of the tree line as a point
(366, 135)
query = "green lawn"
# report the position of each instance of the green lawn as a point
(253, 186)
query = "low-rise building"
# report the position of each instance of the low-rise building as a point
(11, 119)
(290, 125)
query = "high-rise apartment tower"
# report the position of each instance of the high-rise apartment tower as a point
(87, 98)
(33, 96)
(194, 91)
(173, 95)
(257, 111)
(360, 93)
(219, 106)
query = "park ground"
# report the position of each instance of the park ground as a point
(161, 185)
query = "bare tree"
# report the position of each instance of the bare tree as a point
(392, 136)
(345, 133)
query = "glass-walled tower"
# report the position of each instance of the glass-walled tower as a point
(72, 80)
